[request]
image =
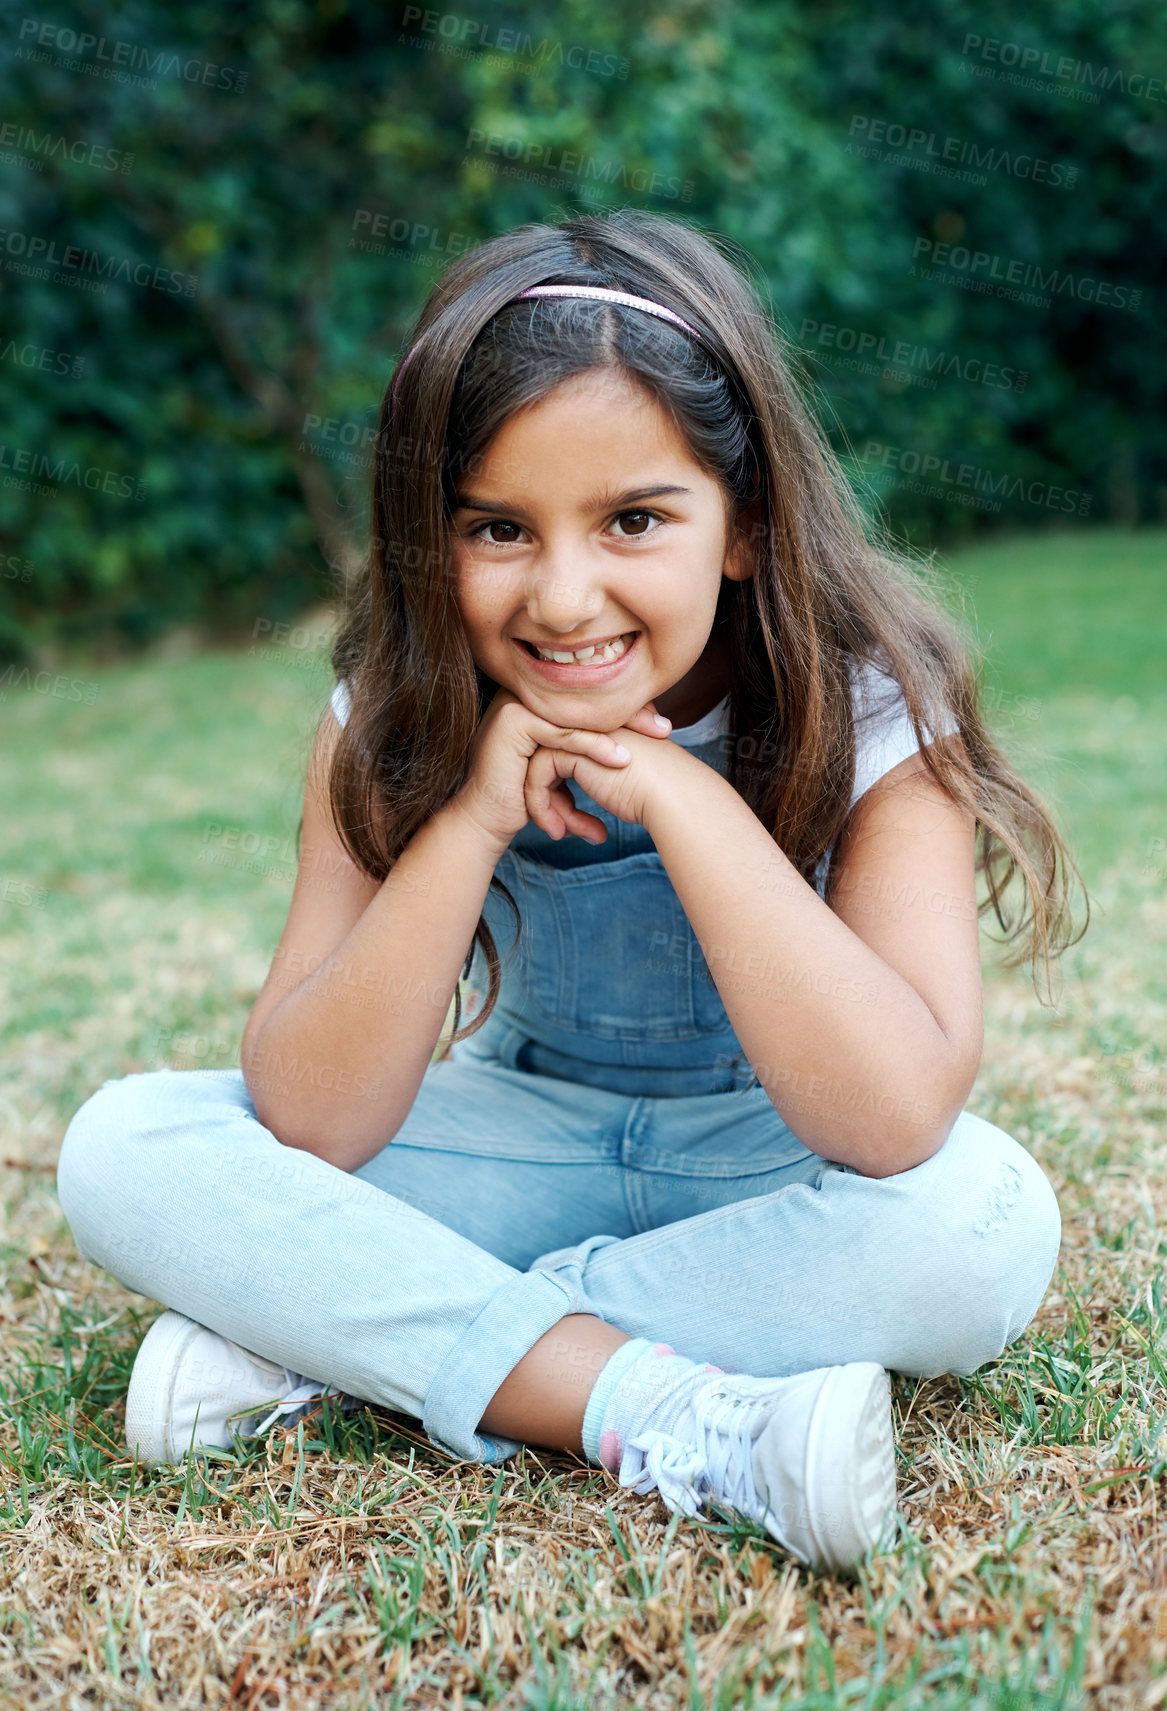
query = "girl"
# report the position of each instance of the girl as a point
(637, 731)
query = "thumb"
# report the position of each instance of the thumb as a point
(645, 721)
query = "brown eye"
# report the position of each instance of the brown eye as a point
(643, 516)
(495, 523)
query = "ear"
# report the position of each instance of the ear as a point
(739, 560)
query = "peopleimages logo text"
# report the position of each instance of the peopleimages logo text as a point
(902, 354)
(994, 485)
(48, 146)
(533, 156)
(112, 57)
(1039, 63)
(962, 151)
(456, 31)
(35, 469)
(999, 269)
(43, 253)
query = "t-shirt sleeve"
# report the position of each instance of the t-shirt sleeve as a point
(883, 737)
(883, 728)
(340, 702)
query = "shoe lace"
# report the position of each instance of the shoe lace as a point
(716, 1462)
(303, 1391)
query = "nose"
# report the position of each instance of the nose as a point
(563, 599)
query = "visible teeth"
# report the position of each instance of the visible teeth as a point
(584, 656)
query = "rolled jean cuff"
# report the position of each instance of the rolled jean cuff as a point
(510, 1324)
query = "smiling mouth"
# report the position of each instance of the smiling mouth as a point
(593, 655)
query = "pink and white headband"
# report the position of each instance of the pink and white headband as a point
(600, 292)
(606, 296)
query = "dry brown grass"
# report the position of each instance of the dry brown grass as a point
(297, 1585)
(1030, 1567)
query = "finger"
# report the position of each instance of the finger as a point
(579, 823)
(589, 827)
(645, 721)
(601, 746)
(550, 804)
(543, 794)
(583, 825)
(562, 814)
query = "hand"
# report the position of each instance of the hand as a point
(494, 797)
(626, 790)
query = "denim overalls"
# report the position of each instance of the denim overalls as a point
(600, 1146)
(607, 984)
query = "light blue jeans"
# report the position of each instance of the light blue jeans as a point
(510, 1198)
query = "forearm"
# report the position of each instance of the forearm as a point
(850, 1055)
(337, 1065)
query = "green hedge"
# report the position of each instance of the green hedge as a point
(218, 223)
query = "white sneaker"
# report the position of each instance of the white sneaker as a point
(189, 1384)
(810, 1457)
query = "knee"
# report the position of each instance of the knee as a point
(95, 1153)
(111, 1153)
(1000, 1229)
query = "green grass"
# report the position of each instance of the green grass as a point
(1064, 613)
(343, 1563)
(1074, 628)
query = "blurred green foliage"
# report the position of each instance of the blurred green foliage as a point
(218, 223)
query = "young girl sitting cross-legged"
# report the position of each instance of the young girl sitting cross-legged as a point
(637, 731)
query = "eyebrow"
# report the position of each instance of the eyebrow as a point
(598, 502)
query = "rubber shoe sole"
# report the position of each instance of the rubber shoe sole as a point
(187, 1385)
(848, 1479)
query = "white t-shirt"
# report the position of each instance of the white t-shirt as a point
(883, 732)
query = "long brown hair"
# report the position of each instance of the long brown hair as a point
(827, 587)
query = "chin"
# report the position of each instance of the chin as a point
(586, 719)
(586, 712)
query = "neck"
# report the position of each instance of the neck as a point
(701, 688)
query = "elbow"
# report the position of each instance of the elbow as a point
(267, 1113)
(344, 1151)
(272, 1117)
(296, 1122)
(882, 1128)
(897, 1155)
(920, 1128)
(345, 1154)
(269, 1080)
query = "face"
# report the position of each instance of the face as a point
(589, 522)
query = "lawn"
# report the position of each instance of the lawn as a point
(146, 868)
